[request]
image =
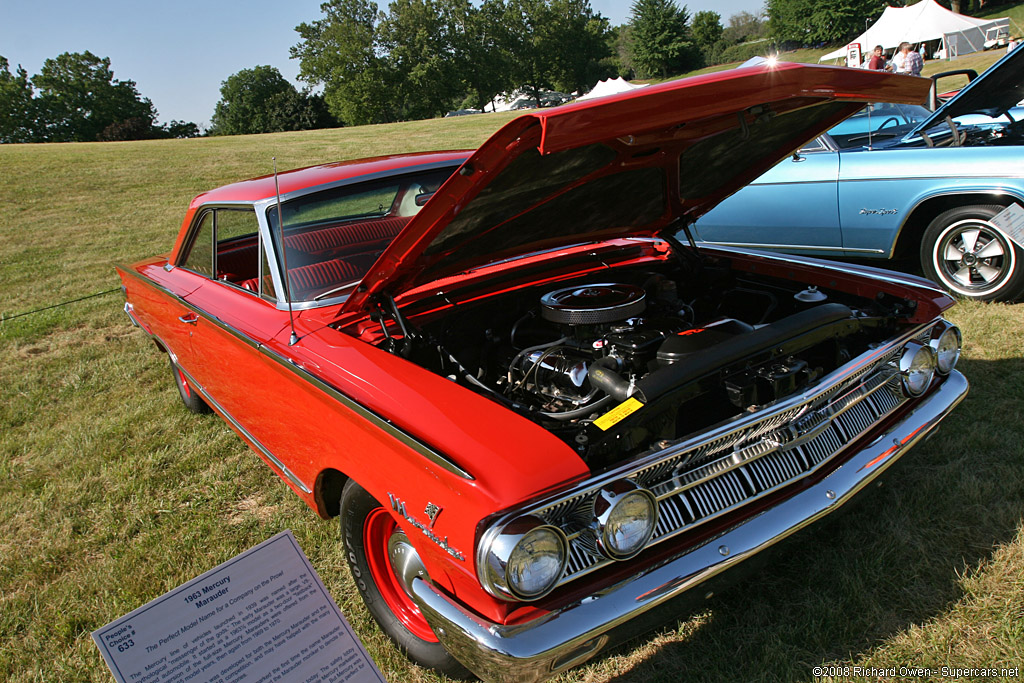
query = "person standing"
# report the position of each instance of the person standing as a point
(914, 62)
(877, 61)
(899, 60)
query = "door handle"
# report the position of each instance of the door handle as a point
(189, 318)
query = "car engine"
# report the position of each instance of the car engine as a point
(580, 358)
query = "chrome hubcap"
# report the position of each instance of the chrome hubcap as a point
(972, 255)
(405, 561)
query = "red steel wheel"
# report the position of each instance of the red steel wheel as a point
(382, 539)
(384, 563)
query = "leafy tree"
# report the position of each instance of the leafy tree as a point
(485, 58)
(744, 26)
(17, 109)
(660, 38)
(261, 100)
(79, 98)
(707, 28)
(622, 50)
(530, 45)
(340, 51)
(184, 129)
(813, 21)
(422, 40)
(555, 44)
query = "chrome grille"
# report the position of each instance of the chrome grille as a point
(698, 479)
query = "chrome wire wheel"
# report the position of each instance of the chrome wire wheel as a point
(967, 254)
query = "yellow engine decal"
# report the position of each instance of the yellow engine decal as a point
(618, 414)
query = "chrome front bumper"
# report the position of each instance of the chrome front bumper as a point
(558, 640)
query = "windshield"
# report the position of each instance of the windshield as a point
(878, 121)
(332, 237)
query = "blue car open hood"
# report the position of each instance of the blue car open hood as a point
(993, 93)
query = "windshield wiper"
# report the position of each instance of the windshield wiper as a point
(333, 291)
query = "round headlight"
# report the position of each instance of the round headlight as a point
(917, 368)
(947, 349)
(624, 519)
(525, 559)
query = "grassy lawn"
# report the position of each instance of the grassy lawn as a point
(111, 493)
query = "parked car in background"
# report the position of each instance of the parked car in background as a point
(897, 181)
(544, 421)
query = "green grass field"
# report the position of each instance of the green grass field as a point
(111, 493)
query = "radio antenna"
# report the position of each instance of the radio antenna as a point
(284, 255)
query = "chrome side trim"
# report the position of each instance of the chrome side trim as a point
(576, 632)
(380, 422)
(950, 193)
(980, 176)
(292, 477)
(130, 312)
(805, 247)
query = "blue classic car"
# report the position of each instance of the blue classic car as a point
(901, 182)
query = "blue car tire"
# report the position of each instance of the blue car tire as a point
(966, 254)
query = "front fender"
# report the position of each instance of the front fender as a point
(879, 190)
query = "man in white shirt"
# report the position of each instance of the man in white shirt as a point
(899, 60)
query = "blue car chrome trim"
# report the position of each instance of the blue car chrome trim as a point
(385, 425)
(574, 633)
(754, 245)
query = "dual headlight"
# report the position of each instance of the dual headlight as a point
(525, 558)
(920, 362)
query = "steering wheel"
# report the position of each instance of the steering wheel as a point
(886, 123)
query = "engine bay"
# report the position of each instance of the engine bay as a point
(614, 364)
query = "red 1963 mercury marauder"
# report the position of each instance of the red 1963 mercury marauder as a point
(545, 415)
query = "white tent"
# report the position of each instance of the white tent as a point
(610, 86)
(928, 20)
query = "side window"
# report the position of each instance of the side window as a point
(267, 282)
(233, 223)
(238, 257)
(200, 256)
(814, 145)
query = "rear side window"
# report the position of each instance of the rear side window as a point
(200, 256)
(227, 246)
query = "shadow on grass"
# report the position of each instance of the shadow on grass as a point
(892, 558)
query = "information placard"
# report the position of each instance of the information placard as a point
(1011, 221)
(260, 617)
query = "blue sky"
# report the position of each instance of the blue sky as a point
(179, 53)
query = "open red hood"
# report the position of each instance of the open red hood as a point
(623, 165)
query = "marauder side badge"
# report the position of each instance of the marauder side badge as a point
(432, 511)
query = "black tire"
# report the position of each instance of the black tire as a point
(189, 396)
(967, 255)
(365, 526)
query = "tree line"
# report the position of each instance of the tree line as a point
(422, 58)
(75, 98)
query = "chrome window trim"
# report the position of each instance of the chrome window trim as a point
(262, 206)
(380, 422)
(751, 426)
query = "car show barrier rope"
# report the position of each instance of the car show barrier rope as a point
(5, 318)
